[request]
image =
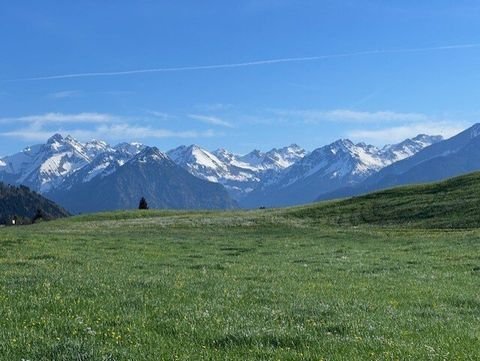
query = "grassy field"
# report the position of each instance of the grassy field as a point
(295, 284)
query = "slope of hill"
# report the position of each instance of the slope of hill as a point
(22, 203)
(454, 203)
(452, 157)
(150, 174)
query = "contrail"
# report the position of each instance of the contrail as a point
(248, 64)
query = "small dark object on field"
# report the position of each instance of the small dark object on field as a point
(263, 207)
(143, 204)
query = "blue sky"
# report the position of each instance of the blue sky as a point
(380, 71)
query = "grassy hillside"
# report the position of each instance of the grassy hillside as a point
(454, 203)
(261, 285)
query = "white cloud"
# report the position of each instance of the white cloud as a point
(87, 126)
(210, 120)
(62, 118)
(402, 132)
(350, 116)
(117, 131)
(64, 94)
(157, 114)
(214, 107)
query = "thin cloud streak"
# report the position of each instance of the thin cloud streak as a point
(210, 120)
(350, 116)
(401, 132)
(108, 132)
(250, 63)
(64, 94)
(100, 126)
(61, 118)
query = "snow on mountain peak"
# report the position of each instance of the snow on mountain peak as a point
(45, 167)
(56, 138)
(224, 155)
(150, 154)
(130, 148)
(95, 147)
(407, 148)
(199, 162)
(239, 174)
(255, 158)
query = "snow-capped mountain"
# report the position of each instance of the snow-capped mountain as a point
(96, 147)
(45, 167)
(336, 165)
(281, 176)
(239, 174)
(276, 159)
(200, 162)
(237, 177)
(407, 148)
(150, 174)
(101, 166)
(130, 148)
(448, 158)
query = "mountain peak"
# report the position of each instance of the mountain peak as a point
(428, 138)
(194, 147)
(222, 152)
(130, 148)
(56, 138)
(341, 144)
(474, 130)
(256, 153)
(294, 146)
(150, 154)
(97, 142)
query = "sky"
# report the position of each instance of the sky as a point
(237, 74)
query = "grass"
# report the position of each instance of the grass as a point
(454, 203)
(292, 284)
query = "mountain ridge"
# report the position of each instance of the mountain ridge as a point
(457, 155)
(281, 176)
(150, 174)
(330, 167)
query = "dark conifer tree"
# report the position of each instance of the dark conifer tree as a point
(143, 204)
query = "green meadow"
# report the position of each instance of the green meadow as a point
(332, 281)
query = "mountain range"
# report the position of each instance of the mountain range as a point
(150, 174)
(331, 167)
(240, 175)
(451, 157)
(94, 176)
